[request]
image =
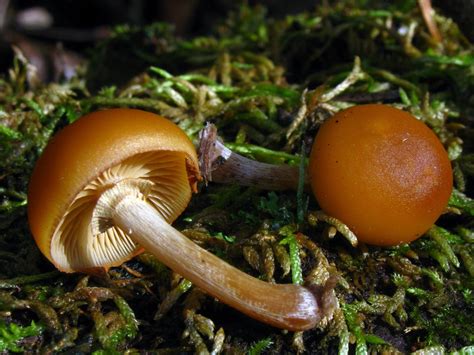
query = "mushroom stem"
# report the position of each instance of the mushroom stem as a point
(286, 306)
(219, 164)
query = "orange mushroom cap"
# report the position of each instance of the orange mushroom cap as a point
(91, 155)
(382, 172)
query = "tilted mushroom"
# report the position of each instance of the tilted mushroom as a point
(109, 185)
(377, 168)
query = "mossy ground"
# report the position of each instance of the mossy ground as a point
(268, 85)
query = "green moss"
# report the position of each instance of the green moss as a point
(268, 85)
(11, 335)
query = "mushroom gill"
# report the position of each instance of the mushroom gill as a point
(74, 244)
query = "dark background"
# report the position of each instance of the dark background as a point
(37, 27)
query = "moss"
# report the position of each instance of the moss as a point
(268, 85)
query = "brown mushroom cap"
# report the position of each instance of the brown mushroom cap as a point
(90, 156)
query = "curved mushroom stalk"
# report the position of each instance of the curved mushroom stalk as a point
(286, 306)
(219, 164)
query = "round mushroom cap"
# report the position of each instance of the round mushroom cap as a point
(382, 172)
(90, 156)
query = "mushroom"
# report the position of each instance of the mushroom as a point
(376, 168)
(109, 185)
(382, 172)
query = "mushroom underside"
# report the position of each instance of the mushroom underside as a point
(74, 244)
